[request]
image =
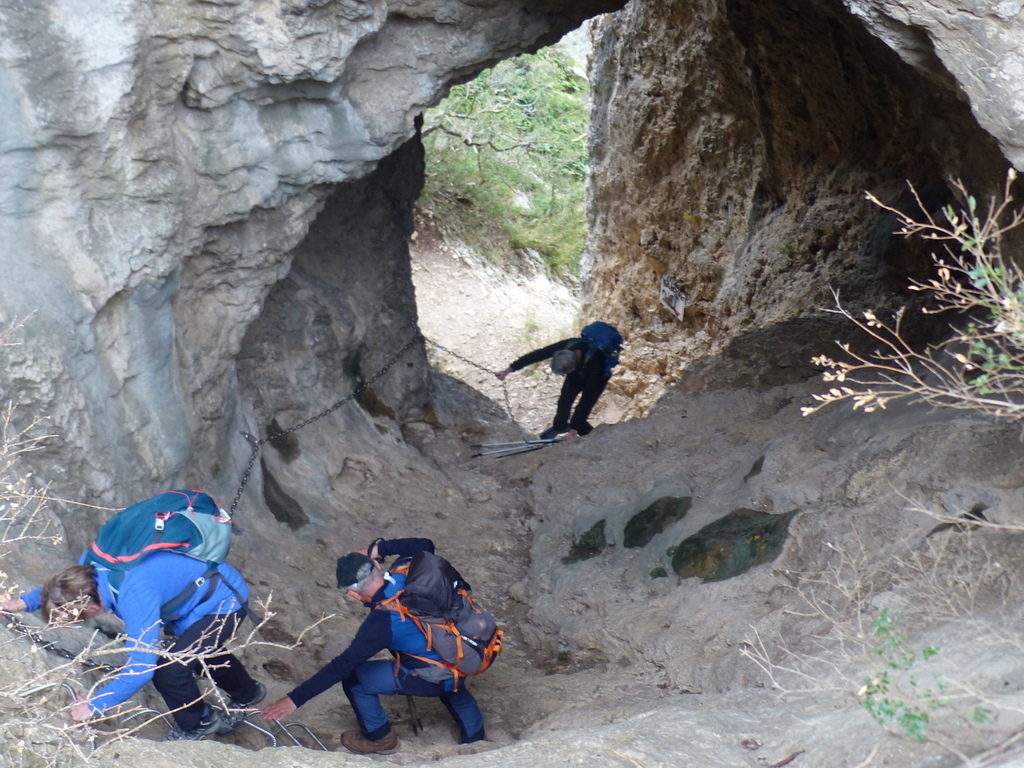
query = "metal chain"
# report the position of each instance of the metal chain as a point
(458, 356)
(23, 629)
(508, 405)
(504, 386)
(255, 443)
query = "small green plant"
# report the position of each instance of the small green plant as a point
(885, 695)
(530, 329)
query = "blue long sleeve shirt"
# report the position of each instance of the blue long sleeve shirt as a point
(373, 636)
(158, 579)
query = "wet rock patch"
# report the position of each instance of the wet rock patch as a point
(651, 521)
(589, 545)
(731, 545)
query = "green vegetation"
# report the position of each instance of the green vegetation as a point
(893, 695)
(507, 161)
(882, 694)
(589, 545)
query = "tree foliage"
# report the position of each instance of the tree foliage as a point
(507, 160)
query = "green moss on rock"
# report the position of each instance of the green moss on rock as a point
(732, 545)
(589, 545)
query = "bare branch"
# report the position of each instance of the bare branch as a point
(980, 367)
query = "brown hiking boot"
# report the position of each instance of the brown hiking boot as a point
(354, 741)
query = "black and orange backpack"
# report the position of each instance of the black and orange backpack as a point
(439, 601)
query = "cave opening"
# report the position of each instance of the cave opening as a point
(499, 248)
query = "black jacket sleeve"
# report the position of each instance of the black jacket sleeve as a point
(537, 355)
(374, 636)
(403, 547)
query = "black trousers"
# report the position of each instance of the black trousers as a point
(176, 680)
(573, 387)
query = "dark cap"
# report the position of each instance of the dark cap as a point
(349, 567)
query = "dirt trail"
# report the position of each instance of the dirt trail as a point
(490, 318)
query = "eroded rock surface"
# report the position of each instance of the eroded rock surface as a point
(732, 145)
(204, 211)
(159, 164)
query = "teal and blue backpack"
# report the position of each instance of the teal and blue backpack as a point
(185, 522)
(606, 338)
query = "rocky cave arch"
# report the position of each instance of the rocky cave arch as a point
(204, 284)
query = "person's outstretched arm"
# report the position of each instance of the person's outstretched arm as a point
(544, 353)
(373, 636)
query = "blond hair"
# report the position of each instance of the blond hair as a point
(67, 593)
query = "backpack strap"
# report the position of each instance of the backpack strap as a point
(210, 578)
(401, 567)
(456, 674)
(395, 605)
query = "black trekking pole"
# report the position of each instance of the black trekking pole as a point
(414, 715)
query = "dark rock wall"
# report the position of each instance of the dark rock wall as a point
(732, 146)
(344, 313)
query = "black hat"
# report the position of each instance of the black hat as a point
(349, 567)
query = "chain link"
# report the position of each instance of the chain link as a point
(504, 385)
(256, 443)
(457, 356)
(508, 405)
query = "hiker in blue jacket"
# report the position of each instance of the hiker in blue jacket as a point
(202, 625)
(586, 362)
(364, 681)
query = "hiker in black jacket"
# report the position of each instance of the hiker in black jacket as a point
(586, 370)
(365, 680)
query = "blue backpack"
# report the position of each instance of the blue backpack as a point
(606, 338)
(185, 522)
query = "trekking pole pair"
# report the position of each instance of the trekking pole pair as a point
(514, 448)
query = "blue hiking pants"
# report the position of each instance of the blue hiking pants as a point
(365, 686)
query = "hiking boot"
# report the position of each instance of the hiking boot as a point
(207, 726)
(551, 433)
(457, 735)
(354, 741)
(232, 718)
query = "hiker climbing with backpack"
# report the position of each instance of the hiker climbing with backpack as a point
(160, 563)
(421, 610)
(587, 363)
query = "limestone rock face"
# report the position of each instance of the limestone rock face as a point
(204, 216)
(159, 163)
(732, 146)
(977, 48)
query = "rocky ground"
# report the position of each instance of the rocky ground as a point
(481, 316)
(615, 655)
